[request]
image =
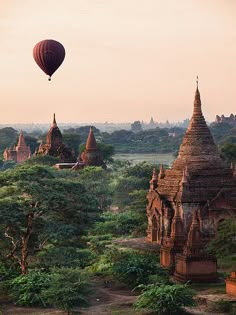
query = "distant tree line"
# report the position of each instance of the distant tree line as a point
(158, 140)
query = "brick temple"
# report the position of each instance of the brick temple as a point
(19, 153)
(91, 156)
(54, 145)
(187, 202)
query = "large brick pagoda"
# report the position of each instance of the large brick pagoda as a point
(199, 190)
(54, 145)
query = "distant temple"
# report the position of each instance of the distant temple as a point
(229, 120)
(187, 202)
(54, 145)
(91, 156)
(19, 153)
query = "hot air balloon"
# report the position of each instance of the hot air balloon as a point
(49, 55)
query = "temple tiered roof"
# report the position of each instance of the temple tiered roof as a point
(198, 154)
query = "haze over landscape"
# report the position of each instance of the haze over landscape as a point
(125, 60)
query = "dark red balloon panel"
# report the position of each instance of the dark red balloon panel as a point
(49, 55)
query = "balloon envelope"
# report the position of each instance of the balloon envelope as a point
(49, 55)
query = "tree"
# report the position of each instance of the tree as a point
(36, 207)
(228, 152)
(92, 177)
(224, 242)
(68, 288)
(8, 137)
(72, 141)
(32, 142)
(136, 126)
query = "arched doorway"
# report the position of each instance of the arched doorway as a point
(154, 228)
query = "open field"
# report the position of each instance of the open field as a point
(153, 158)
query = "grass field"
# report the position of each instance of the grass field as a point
(153, 158)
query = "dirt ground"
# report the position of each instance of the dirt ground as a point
(108, 298)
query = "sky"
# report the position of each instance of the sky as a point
(125, 60)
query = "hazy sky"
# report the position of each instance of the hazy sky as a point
(125, 60)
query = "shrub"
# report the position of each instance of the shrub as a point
(66, 257)
(26, 289)
(134, 268)
(98, 243)
(7, 272)
(68, 288)
(164, 299)
(120, 223)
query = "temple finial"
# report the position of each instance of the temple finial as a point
(54, 123)
(197, 81)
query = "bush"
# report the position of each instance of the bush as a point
(134, 268)
(120, 223)
(68, 288)
(165, 299)
(26, 289)
(66, 257)
(7, 273)
(98, 243)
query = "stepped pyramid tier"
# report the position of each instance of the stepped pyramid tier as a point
(19, 153)
(54, 145)
(198, 180)
(91, 156)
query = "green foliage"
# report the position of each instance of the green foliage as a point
(31, 141)
(153, 140)
(224, 242)
(61, 288)
(5, 165)
(42, 160)
(107, 151)
(72, 141)
(228, 152)
(97, 243)
(65, 257)
(82, 132)
(120, 223)
(26, 290)
(68, 288)
(135, 268)
(7, 273)
(91, 178)
(140, 170)
(165, 299)
(131, 185)
(221, 131)
(8, 137)
(51, 201)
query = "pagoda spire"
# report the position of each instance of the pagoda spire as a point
(197, 102)
(54, 123)
(198, 140)
(21, 141)
(194, 243)
(154, 174)
(161, 172)
(91, 144)
(153, 181)
(177, 226)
